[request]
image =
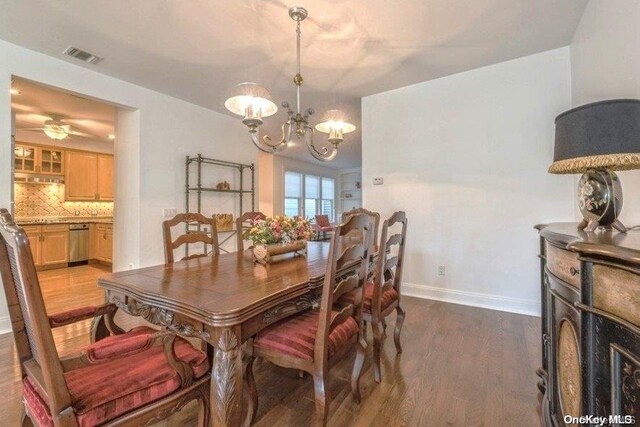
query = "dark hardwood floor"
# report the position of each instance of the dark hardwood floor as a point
(461, 366)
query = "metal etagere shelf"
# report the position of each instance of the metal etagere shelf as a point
(198, 190)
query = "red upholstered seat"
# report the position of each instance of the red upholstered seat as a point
(386, 299)
(123, 376)
(296, 336)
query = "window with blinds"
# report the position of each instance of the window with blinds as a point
(309, 195)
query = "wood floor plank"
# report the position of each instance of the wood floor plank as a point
(461, 366)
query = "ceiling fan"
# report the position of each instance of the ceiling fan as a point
(56, 128)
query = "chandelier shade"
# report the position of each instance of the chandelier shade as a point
(252, 98)
(333, 120)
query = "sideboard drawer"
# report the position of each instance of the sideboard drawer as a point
(564, 265)
(617, 291)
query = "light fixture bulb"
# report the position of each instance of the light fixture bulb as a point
(13, 91)
(335, 124)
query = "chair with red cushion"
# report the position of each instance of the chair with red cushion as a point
(323, 225)
(127, 378)
(315, 340)
(382, 295)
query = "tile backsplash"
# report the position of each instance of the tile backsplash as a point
(38, 200)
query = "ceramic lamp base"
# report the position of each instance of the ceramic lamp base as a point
(600, 200)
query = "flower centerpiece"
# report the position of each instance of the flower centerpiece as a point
(278, 235)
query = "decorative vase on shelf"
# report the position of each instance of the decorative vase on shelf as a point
(264, 254)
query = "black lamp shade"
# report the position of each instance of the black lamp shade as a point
(603, 134)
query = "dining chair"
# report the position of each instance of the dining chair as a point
(323, 225)
(382, 296)
(207, 234)
(374, 217)
(127, 378)
(315, 340)
(243, 222)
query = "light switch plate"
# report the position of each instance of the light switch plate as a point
(377, 181)
(168, 213)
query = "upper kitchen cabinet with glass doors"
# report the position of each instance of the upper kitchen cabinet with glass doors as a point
(39, 160)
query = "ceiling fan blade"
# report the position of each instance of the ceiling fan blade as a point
(83, 134)
(30, 128)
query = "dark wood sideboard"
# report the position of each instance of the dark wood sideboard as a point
(590, 324)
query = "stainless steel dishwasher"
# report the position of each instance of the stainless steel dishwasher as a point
(78, 244)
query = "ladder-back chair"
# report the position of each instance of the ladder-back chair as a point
(315, 340)
(125, 379)
(205, 237)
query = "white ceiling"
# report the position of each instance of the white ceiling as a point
(198, 50)
(94, 121)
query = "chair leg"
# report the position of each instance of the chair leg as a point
(399, 322)
(204, 407)
(377, 345)
(25, 420)
(252, 391)
(364, 330)
(320, 391)
(384, 328)
(361, 347)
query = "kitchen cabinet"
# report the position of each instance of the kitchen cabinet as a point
(49, 244)
(39, 160)
(55, 244)
(34, 234)
(81, 176)
(88, 176)
(25, 158)
(105, 177)
(101, 242)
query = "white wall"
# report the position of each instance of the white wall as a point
(605, 64)
(152, 140)
(466, 157)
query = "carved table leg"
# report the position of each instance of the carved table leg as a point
(226, 380)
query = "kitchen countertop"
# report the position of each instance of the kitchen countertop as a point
(65, 220)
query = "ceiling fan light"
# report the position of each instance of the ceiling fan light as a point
(251, 101)
(56, 129)
(56, 133)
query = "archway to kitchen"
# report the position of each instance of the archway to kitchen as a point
(63, 172)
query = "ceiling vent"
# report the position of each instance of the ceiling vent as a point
(82, 55)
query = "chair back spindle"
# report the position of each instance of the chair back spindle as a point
(196, 236)
(374, 218)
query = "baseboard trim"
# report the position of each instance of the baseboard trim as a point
(5, 325)
(474, 299)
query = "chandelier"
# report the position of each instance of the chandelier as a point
(253, 102)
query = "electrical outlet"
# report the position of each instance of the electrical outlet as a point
(131, 267)
(377, 181)
(441, 270)
(168, 213)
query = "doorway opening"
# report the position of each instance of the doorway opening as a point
(63, 175)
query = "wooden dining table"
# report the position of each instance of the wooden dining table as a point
(224, 300)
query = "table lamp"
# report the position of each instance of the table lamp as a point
(596, 140)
